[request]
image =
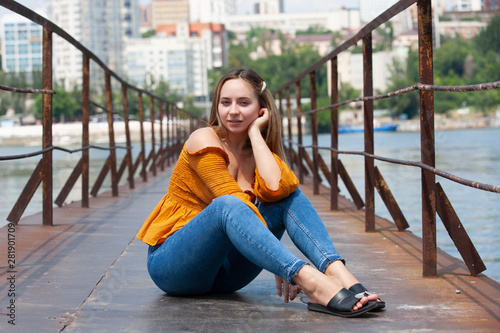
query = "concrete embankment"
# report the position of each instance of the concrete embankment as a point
(71, 133)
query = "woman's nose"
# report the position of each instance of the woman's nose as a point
(233, 109)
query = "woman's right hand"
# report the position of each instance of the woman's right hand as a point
(285, 289)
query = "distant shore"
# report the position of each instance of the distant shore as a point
(70, 133)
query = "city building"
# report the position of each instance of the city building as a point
(179, 54)
(206, 11)
(146, 21)
(271, 7)
(491, 4)
(169, 12)
(101, 26)
(289, 23)
(466, 5)
(21, 44)
(463, 29)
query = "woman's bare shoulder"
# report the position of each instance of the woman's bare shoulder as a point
(202, 138)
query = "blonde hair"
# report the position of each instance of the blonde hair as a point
(272, 134)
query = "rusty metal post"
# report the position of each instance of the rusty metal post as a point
(280, 112)
(160, 114)
(300, 150)
(152, 117)
(314, 132)
(368, 125)
(289, 117)
(144, 174)
(167, 145)
(130, 166)
(46, 169)
(111, 132)
(427, 139)
(85, 129)
(334, 134)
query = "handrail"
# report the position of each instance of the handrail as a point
(434, 199)
(178, 125)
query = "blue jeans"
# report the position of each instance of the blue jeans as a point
(226, 246)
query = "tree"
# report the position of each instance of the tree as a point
(489, 39)
(402, 76)
(64, 105)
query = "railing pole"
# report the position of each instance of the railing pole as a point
(160, 115)
(130, 167)
(111, 132)
(153, 148)
(289, 117)
(144, 174)
(334, 133)
(85, 129)
(427, 141)
(167, 145)
(300, 150)
(368, 125)
(46, 170)
(314, 132)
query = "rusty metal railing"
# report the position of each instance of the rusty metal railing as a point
(172, 133)
(434, 199)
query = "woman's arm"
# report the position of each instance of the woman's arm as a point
(265, 162)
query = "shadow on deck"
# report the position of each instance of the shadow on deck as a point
(87, 273)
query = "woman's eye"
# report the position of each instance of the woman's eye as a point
(225, 103)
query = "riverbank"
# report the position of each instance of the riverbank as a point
(71, 133)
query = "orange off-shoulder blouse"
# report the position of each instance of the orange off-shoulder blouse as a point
(197, 179)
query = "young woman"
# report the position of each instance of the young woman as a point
(231, 197)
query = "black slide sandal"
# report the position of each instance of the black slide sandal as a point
(358, 288)
(341, 305)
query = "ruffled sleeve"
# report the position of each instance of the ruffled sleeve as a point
(287, 185)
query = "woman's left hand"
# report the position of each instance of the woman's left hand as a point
(285, 289)
(261, 122)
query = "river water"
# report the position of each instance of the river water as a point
(470, 154)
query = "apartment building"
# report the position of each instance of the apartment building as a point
(101, 26)
(21, 44)
(180, 54)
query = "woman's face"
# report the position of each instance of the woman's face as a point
(238, 106)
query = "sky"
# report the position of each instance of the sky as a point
(243, 6)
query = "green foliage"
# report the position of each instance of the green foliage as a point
(457, 62)
(148, 33)
(313, 29)
(65, 106)
(16, 101)
(489, 39)
(402, 76)
(346, 92)
(190, 108)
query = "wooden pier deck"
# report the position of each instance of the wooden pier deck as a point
(87, 273)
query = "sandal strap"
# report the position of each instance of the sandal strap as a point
(344, 300)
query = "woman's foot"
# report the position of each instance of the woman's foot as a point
(321, 288)
(338, 272)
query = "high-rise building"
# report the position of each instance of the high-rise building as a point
(211, 11)
(491, 4)
(21, 44)
(271, 6)
(180, 54)
(169, 12)
(466, 5)
(101, 26)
